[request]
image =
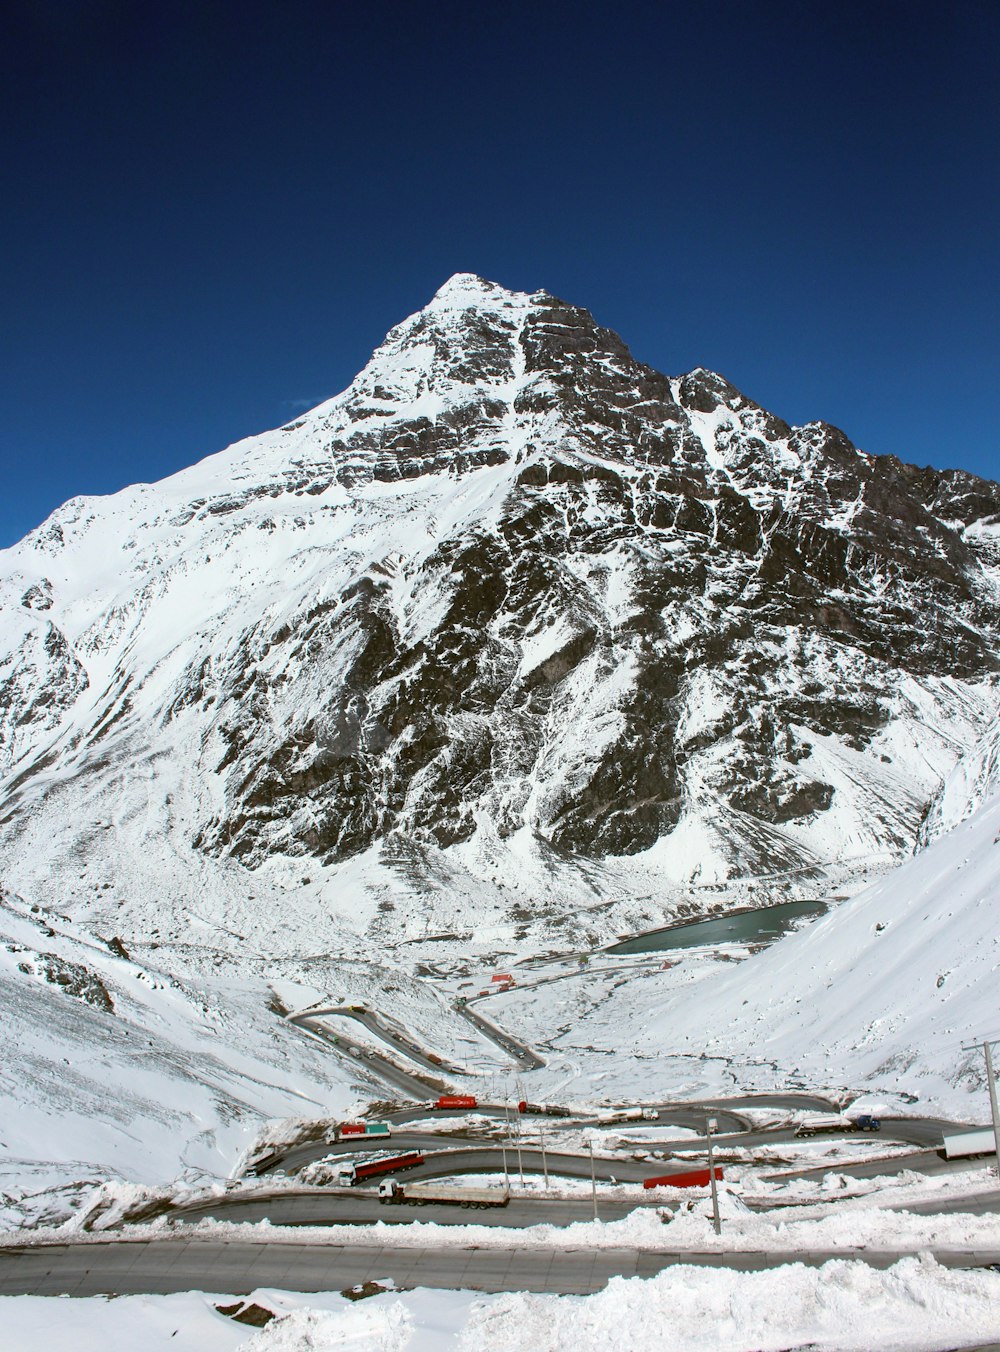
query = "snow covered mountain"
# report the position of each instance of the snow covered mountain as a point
(514, 621)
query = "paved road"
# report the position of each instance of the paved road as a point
(490, 1160)
(411, 1083)
(320, 1206)
(690, 1116)
(972, 1204)
(298, 1156)
(460, 1157)
(236, 1267)
(323, 1206)
(458, 1153)
(523, 1055)
(379, 1028)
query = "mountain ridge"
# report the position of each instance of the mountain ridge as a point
(510, 596)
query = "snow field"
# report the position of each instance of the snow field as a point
(914, 1306)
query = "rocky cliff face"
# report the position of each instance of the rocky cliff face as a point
(512, 598)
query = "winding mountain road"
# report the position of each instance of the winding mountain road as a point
(412, 1083)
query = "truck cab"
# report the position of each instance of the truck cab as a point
(866, 1122)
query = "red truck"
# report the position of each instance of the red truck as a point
(456, 1101)
(349, 1174)
(349, 1129)
(544, 1109)
(695, 1178)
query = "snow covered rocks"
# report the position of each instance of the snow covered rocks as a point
(513, 605)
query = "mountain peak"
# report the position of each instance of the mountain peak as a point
(460, 284)
(466, 290)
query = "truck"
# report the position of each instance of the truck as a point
(692, 1178)
(349, 1174)
(456, 1101)
(629, 1115)
(446, 1194)
(262, 1165)
(966, 1143)
(543, 1109)
(823, 1123)
(346, 1130)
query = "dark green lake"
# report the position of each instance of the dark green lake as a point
(745, 927)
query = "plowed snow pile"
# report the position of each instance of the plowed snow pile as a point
(915, 1306)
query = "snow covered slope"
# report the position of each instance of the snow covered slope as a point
(512, 623)
(883, 991)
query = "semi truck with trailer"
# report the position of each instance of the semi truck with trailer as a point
(444, 1194)
(456, 1101)
(822, 1123)
(351, 1130)
(358, 1171)
(628, 1115)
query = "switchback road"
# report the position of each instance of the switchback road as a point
(377, 1025)
(412, 1083)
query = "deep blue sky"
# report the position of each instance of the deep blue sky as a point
(212, 212)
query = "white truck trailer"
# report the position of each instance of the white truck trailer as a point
(817, 1124)
(628, 1115)
(966, 1143)
(444, 1194)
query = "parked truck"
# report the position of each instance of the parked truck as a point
(445, 1194)
(824, 1123)
(966, 1143)
(456, 1101)
(349, 1174)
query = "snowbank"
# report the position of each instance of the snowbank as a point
(914, 1306)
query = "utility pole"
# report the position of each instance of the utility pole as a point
(710, 1126)
(593, 1178)
(991, 1080)
(516, 1139)
(991, 1083)
(545, 1167)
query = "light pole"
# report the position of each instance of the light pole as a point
(545, 1167)
(593, 1178)
(520, 1162)
(995, 1112)
(710, 1126)
(991, 1082)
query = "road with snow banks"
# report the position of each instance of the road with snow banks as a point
(376, 1023)
(461, 1152)
(523, 1056)
(238, 1267)
(320, 1206)
(412, 1083)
